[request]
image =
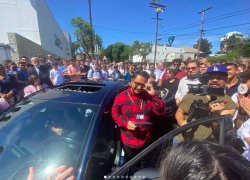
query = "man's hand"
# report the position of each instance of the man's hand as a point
(58, 131)
(3, 95)
(131, 126)
(217, 107)
(178, 100)
(244, 103)
(182, 123)
(39, 87)
(9, 95)
(150, 89)
(58, 171)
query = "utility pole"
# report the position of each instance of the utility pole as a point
(90, 22)
(158, 9)
(203, 17)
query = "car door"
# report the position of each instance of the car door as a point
(106, 150)
(146, 164)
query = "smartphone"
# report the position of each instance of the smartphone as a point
(14, 68)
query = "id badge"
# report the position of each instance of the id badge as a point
(139, 116)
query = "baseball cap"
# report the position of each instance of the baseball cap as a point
(217, 68)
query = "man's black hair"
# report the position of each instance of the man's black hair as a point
(55, 64)
(203, 160)
(167, 64)
(152, 64)
(57, 59)
(30, 65)
(177, 60)
(152, 75)
(141, 73)
(232, 64)
(24, 57)
(223, 61)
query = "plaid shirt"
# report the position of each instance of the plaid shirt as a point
(125, 110)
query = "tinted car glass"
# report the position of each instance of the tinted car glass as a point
(43, 135)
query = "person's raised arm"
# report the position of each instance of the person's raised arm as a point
(158, 106)
(180, 117)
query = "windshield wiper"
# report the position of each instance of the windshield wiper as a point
(16, 109)
(5, 118)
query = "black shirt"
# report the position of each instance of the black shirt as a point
(171, 86)
(84, 69)
(233, 89)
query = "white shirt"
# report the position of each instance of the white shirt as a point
(183, 86)
(242, 133)
(37, 69)
(57, 76)
(110, 72)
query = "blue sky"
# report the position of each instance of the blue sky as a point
(134, 17)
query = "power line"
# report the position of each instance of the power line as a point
(197, 23)
(194, 33)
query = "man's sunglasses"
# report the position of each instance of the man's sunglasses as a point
(192, 68)
(137, 84)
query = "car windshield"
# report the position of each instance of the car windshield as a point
(43, 135)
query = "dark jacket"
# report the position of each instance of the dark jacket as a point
(44, 74)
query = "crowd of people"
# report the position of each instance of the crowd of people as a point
(133, 107)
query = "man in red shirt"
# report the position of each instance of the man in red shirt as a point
(131, 111)
(180, 74)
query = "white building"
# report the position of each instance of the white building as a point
(33, 22)
(168, 54)
(234, 33)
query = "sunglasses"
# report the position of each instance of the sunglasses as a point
(137, 84)
(176, 64)
(192, 68)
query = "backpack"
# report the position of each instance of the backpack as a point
(97, 71)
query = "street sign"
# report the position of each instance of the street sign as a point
(96, 49)
(171, 40)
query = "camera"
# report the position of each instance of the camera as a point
(203, 88)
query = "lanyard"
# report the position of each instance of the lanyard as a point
(133, 101)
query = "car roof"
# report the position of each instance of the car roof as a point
(86, 92)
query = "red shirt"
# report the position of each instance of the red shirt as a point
(124, 110)
(179, 75)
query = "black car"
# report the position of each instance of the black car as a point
(70, 124)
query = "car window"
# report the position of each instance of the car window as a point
(44, 135)
(146, 164)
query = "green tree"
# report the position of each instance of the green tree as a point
(108, 52)
(229, 57)
(83, 33)
(118, 52)
(232, 42)
(205, 46)
(244, 48)
(141, 49)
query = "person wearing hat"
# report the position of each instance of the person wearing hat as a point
(221, 106)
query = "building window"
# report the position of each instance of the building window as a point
(58, 42)
(67, 51)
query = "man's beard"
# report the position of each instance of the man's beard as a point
(216, 84)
